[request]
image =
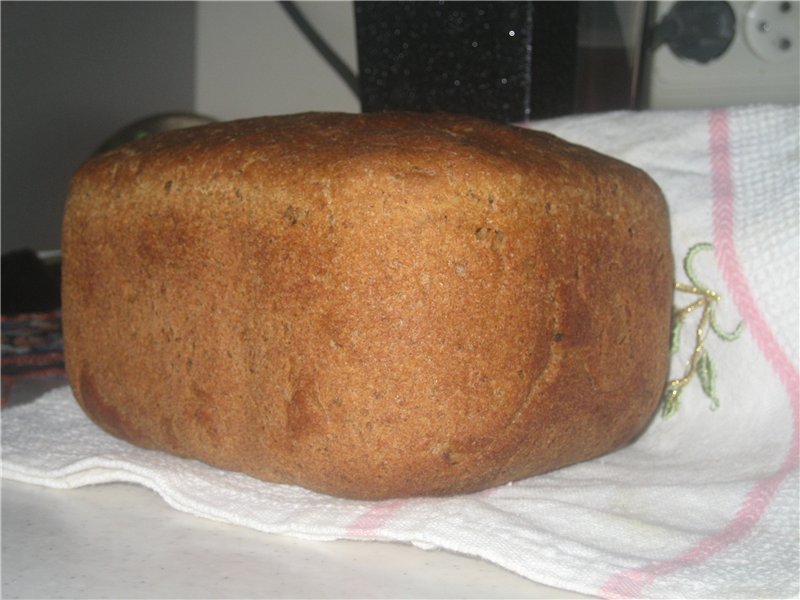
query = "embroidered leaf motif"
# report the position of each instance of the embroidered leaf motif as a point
(671, 400)
(675, 340)
(707, 375)
(700, 362)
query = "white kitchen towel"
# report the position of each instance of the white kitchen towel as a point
(703, 504)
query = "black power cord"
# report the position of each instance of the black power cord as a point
(321, 46)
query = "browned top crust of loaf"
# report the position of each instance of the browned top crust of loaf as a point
(370, 306)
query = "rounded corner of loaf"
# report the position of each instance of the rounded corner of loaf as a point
(371, 305)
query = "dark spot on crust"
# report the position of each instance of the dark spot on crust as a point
(168, 428)
(100, 410)
(205, 417)
(292, 215)
(301, 416)
(574, 323)
(451, 457)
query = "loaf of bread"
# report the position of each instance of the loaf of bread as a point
(370, 306)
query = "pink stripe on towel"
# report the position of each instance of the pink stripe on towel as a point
(631, 582)
(725, 247)
(369, 523)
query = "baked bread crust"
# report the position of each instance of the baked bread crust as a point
(369, 306)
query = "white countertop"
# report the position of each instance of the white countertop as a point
(123, 541)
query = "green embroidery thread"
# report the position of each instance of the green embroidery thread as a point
(700, 362)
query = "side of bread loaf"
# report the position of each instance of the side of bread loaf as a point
(367, 305)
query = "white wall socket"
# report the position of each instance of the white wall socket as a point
(761, 65)
(771, 30)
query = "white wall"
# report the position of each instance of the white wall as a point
(251, 59)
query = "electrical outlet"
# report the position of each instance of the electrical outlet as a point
(762, 63)
(771, 30)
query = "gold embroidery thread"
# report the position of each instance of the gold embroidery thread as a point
(699, 363)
